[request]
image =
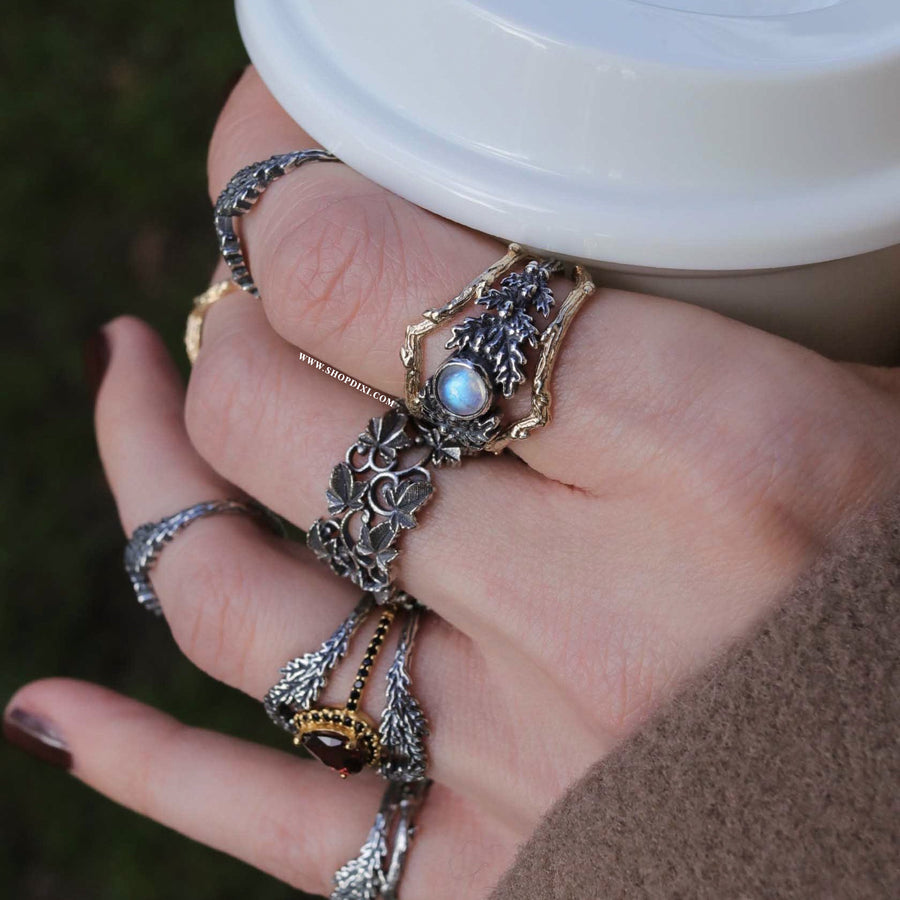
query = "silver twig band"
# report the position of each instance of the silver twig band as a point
(375, 872)
(147, 541)
(193, 331)
(241, 194)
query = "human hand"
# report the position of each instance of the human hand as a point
(693, 468)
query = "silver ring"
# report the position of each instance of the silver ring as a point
(489, 362)
(343, 737)
(240, 196)
(147, 541)
(383, 482)
(375, 872)
(385, 477)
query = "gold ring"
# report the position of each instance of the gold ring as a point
(343, 737)
(193, 332)
(488, 362)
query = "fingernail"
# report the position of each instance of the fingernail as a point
(37, 737)
(96, 359)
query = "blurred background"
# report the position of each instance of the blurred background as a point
(106, 113)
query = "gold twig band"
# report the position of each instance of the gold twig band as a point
(489, 359)
(193, 332)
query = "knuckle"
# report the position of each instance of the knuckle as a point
(227, 398)
(213, 622)
(336, 265)
(626, 666)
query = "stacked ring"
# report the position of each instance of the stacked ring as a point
(395, 747)
(193, 332)
(375, 872)
(460, 399)
(241, 194)
(454, 414)
(343, 737)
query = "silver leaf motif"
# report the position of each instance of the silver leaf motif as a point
(304, 678)
(403, 727)
(380, 491)
(343, 493)
(363, 877)
(495, 343)
(404, 500)
(371, 874)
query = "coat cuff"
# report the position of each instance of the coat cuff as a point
(775, 773)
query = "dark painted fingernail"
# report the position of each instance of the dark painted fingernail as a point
(96, 359)
(37, 737)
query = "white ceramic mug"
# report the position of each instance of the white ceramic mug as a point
(739, 154)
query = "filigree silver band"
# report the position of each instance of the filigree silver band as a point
(147, 541)
(383, 481)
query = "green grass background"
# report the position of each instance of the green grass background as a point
(106, 113)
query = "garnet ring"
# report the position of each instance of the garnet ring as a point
(344, 737)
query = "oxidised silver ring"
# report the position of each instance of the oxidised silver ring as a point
(344, 737)
(240, 196)
(147, 541)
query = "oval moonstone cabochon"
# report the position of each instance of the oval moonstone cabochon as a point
(462, 389)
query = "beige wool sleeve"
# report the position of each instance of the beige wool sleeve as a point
(775, 774)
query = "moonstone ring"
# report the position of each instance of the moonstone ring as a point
(385, 478)
(489, 360)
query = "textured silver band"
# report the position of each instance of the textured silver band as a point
(304, 678)
(147, 541)
(374, 874)
(241, 194)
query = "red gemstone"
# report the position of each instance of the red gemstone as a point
(331, 748)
